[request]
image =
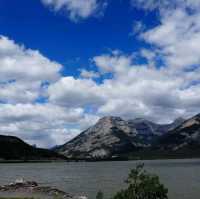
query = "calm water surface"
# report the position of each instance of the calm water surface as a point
(182, 177)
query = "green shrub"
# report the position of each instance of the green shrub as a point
(142, 185)
(99, 195)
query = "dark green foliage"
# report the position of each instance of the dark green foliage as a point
(142, 185)
(99, 195)
(13, 148)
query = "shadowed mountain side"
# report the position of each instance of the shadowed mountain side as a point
(186, 135)
(13, 148)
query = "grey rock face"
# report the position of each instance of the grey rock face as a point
(101, 140)
(113, 136)
(146, 127)
(186, 135)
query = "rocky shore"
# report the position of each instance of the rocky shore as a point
(31, 189)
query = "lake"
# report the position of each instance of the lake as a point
(181, 177)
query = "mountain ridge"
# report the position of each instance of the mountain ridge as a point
(114, 137)
(13, 148)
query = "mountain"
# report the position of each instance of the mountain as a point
(114, 137)
(146, 127)
(13, 148)
(185, 139)
(111, 135)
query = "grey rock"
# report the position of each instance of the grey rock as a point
(101, 140)
(146, 127)
(112, 137)
(185, 136)
(28, 188)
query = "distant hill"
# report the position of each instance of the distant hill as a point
(113, 137)
(13, 148)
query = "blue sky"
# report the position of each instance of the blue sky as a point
(65, 63)
(68, 42)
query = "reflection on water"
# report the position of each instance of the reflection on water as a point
(182, 177)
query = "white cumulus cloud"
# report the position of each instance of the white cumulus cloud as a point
(159, 91)
(133, 91)
(77, 9)
(71, 92)
(23, 71)
(43, 124)
(25, 76)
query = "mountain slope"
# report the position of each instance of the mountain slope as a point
(145, 127)
(13, 148)
(113, 137)
(187, 135)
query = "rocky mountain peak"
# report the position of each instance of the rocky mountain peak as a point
(191, 122)
(115, 137)
(197, 117)
(110, 119)
(179, 120)
(186, 136)
(106, 124)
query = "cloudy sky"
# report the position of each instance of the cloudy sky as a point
(66, 63)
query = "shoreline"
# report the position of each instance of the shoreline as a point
(25, 189)
(94, 160)
(29, 161)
